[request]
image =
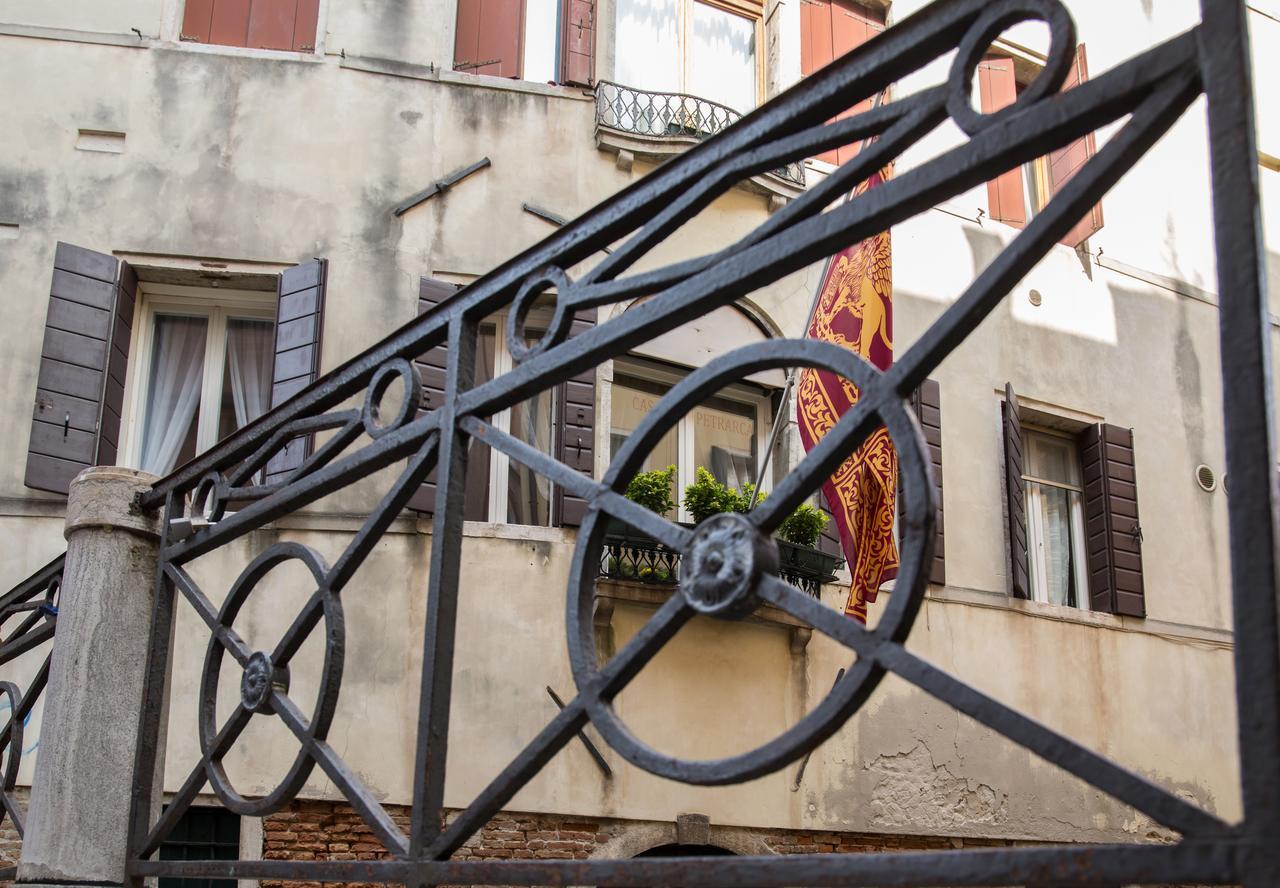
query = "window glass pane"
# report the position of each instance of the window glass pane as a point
(541, 27)
(648, 45)
(529, 493)
(722, 57)
(632, 401)
(246, 374)
(173, 392)
(1052, 459)
(1055, 544)
(724, 441)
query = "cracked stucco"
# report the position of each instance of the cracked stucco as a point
(912, 790)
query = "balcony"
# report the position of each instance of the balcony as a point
(655, 126)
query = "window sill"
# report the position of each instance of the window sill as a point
(434, 74)
(242, 52)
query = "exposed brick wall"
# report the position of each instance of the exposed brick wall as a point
(333, 831)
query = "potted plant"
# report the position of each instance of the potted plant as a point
(631, 554)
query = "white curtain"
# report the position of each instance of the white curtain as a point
(249, 360)
(177, 371)
(722, 59)
(529, 493)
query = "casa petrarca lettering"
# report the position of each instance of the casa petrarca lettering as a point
(707, 419)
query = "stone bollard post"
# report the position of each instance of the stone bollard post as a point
(78, 823)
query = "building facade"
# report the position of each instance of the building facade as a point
(207, 205)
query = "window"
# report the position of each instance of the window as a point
(257, 24)
(202, 834)
(536, 40)
(722, 434)
(828, 30)
(1055, 520)
(204, 369)
(1018, 195)
(708, 50)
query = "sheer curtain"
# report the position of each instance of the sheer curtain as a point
(177, 371)
(249, 361)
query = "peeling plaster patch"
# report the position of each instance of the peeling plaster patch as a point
(1141, 826)
(411, 117)
(912, 791)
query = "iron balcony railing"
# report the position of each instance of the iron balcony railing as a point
(642, 112)
(32, 609)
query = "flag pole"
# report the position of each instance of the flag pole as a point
(776, 431)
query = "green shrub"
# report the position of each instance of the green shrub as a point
(653, 490)
(803, 526)
(706, 496)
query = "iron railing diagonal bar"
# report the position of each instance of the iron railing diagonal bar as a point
(30, 620)
(32, 585)
(15, 813)
(1018, 139)
(17, 646)
(29, 698)
(378, 455)
(226, 635)
(326, 452)
(605, 685)
(1096, 770)
(301, 426)
(343, 777)
(199, 776)
(594, 492)
(1144, 128)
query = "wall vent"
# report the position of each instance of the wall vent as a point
(1205, 478)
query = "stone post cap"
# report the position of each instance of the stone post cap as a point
(105, 497)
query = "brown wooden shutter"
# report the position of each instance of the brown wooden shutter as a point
(1016, 498)
(1066, 162)
(828, 30)
(829, 540)
(299, 325)
(578, 42)
(230, 23)
(197, 20)
(82, 362)
(998, 88)
(927, 403)
(432, 368)
(282, 24)
(489, 31)
(575, 435)
(1113, 533)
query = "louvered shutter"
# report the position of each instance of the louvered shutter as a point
(927, 403)
(1016, 499)
(575, 434)
(828, 30)
(432, 369)
(998, 88)
(578, 42)
(488, 31)
(1066, 162)
(299, 324)
(283, 24)
(82, 361)
(1112, 531)
(829, 541)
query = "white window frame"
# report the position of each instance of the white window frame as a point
(685, 465)
(217, 306)
(1037, 563)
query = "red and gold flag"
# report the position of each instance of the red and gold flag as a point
(855, 310)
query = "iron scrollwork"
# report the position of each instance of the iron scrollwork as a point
(728, 568)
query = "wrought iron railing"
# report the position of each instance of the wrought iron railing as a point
(635, 557)
(642, 112)
(730, 558)
(28, 619)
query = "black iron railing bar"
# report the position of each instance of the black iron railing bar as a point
(226, 635)
(263, 454)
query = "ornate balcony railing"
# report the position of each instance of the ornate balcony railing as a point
(387, 447)
(642, 112)
(28, 619)
(636, 557)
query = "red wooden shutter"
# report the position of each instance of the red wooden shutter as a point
(299, 325)
(82, 347)
(283, 24)
(489, 31)
(927, 403)
(998, 89)
(576, 435)
(829, 29)
(230, 23)
(197, 20)
(1066, 162)
(1113, 533)
(1016, 500)
(578, 42)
